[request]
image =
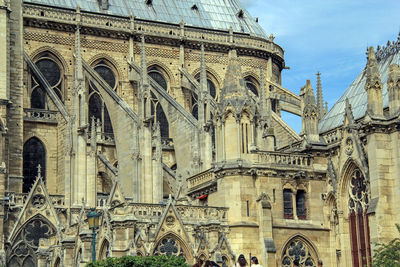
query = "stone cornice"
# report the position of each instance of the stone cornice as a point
(156, 32)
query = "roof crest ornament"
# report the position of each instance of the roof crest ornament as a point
(385, 51)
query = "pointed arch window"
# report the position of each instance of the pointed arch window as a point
(298, 249)
(26, 242)
(97, 107)
(301, 209)
(34, 154)
(159, 116)
(156, 74)
(252, 85)
(358, 219)
(52, 70)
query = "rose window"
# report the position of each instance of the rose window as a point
(297, 250)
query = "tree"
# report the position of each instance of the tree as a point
(387, 255)
(137, 261)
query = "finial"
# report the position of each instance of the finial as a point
(39, 171)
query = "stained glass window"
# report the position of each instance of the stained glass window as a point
(251, 85)
(27, 242)
(34, 154)
(358, 219)
(97, 107)
(287, 204)
(301, 204)
(298, 250)
(52, 72)
(169, 246)
(158, 77)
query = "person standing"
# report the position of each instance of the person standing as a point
(254, 262)
(241, 262)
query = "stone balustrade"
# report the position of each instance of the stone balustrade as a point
(40, 115)
(19, 199)
(285, 159)
(202, 213)
(201, 178)
(333, 136)
(125, 25)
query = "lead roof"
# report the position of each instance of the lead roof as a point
(210, 14)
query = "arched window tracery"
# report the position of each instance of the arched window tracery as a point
(52, 70)
(157, 75)
(97, 108)
(251, 84)
(358, 219)
(298, 249)
(169, 245)
(159, 116)
(34, 154)
(27, 242)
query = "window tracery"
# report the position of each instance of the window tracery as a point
(34, 154)
(158, 77)
(298, 250)
(251, 85)
(51, 69)
(27, 242)
(169, 246)
(159, 116)
(97, 107)
(287, 204)
(358, 220)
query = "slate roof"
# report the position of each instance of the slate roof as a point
(210, 14)
(358, 96)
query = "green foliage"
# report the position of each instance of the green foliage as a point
(137, 261)
(387, 255)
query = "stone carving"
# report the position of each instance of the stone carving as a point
(38, 201)
(348, 149)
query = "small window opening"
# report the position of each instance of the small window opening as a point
(195, 8)
(287, 204)
(301, 205)
(149, 2)
(247, 208)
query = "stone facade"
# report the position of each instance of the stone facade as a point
(173, 134)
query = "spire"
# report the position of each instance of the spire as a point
(394, 89)
(233, 83)
(203, 73)
(93, 134)
(310, 114)
(320, 101)
(144, 78)
(373, 85)
(78, 56)
(263, 98)
(349, 112)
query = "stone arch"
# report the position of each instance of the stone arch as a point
(118, 70)
(252, 83)
(177, 245)
(34, 90)
(301, 248)
(26, 240)
(35, 54)
(164, 68)
(252, 74)
(104, 249)
(212, 72)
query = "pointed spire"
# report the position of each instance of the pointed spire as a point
(144, 78)
(78, 56)
(93, 135)
(203, 73)
(373, 85)
(310, 114)
(39, 172)
(320, 101)
(263, 97)
(349, 112)
(233, 82)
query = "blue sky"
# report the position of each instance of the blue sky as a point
(330, 36)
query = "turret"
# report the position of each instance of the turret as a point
(394, 89)
(373, 85)
(310, 114)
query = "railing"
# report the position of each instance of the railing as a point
(333, 136)
(19, 199)
(125, 25)
(103, 138)
(285, 159)
(200, 179)
(167, 143)
(102, 200)
(202, 214)
(40, 115)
